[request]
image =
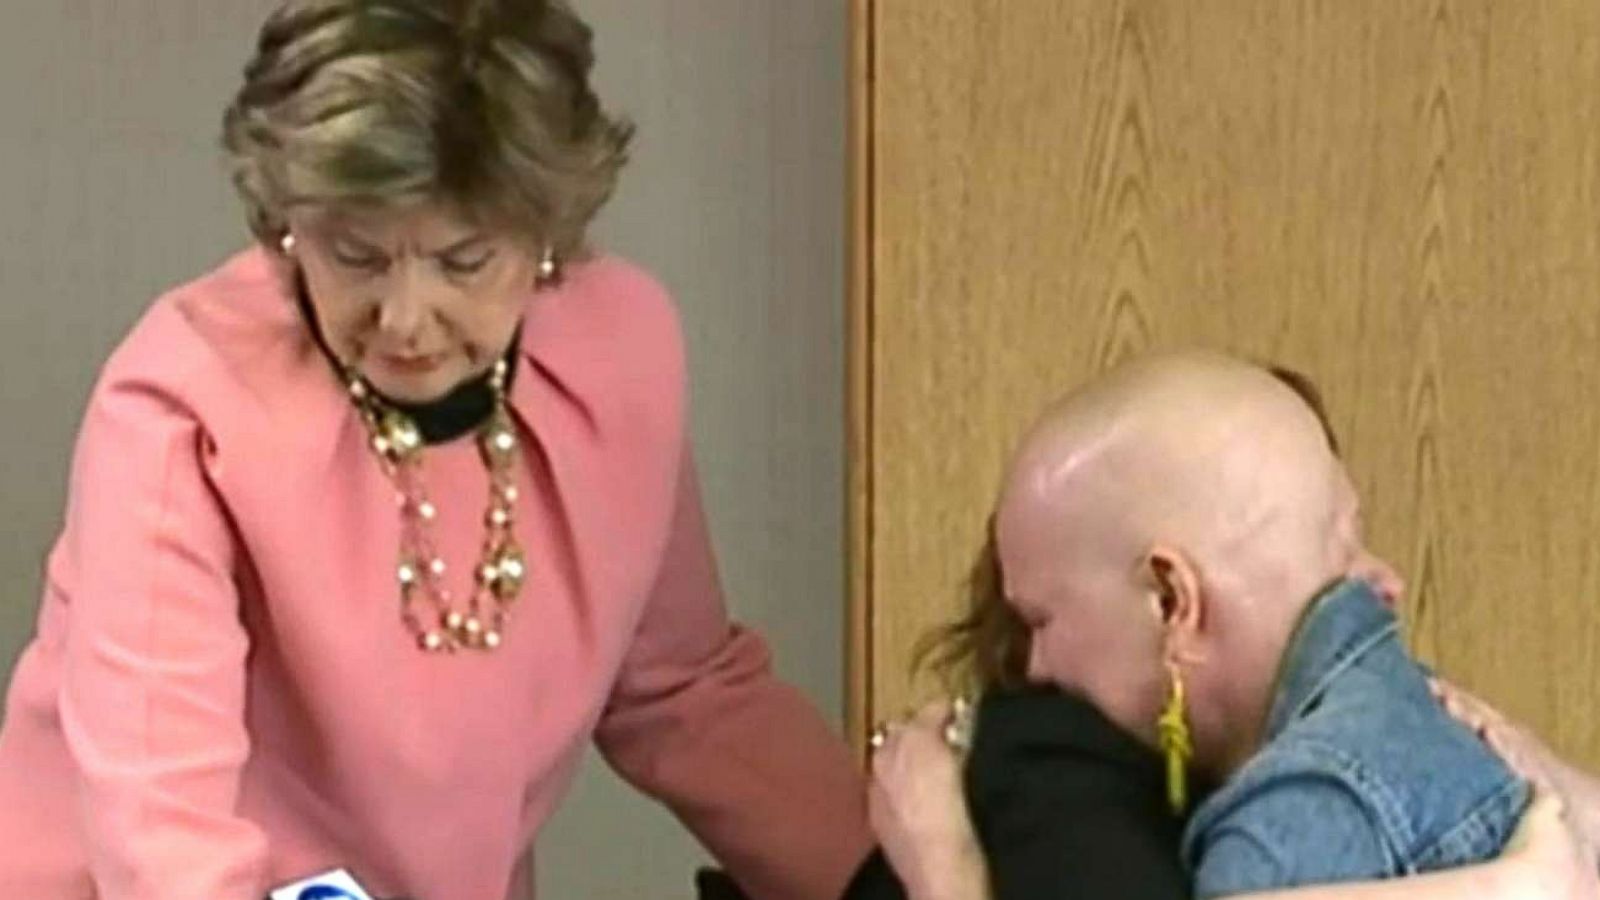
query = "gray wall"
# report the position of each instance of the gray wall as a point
(736, 200)
(110, 190)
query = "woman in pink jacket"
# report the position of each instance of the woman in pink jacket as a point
(371, 529)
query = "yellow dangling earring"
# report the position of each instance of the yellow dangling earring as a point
(1177, 745)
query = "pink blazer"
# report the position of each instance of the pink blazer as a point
(221, 698)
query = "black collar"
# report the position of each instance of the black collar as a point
(461, 410)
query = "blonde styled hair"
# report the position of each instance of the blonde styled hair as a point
(484, 105)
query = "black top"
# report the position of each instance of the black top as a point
(1066, 806)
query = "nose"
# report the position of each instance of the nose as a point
(402, 312)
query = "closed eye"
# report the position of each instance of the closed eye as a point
(353, 256)
(1030, 618)
(465, 263)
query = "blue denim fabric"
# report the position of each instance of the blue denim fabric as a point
(1363, 774)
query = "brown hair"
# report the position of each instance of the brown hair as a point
(988, 646)
(482, 104)
(1302, 385)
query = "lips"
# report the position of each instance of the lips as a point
(412, 364)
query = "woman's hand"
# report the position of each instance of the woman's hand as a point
(1544, 860)
(1529, 756)
(1549, 859)
(919, 812)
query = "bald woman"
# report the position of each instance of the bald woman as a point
(1185, 549)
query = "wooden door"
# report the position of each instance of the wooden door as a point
(1399, 197)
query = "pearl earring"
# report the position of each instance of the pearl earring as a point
(286, 244)
(547, 266)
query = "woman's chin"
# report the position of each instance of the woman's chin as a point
(414, 386)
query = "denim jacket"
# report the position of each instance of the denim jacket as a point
(1363, 774)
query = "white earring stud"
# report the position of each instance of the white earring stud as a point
(286, 244)
(547, 265)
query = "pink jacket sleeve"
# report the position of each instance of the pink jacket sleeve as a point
(152, 692)
(699, 721)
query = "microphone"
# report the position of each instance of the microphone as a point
(337, 884)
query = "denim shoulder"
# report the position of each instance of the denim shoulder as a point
(1443, 797)
(1299, 813)
(1368, 784)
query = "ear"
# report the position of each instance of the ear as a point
(1179, 601)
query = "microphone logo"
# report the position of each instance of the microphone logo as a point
(335, 885)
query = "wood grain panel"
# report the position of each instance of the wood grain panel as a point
(1400, 198)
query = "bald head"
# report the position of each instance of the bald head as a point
(1179, 511)
(1194, 450)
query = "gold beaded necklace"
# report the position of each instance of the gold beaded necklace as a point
(396, 441)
